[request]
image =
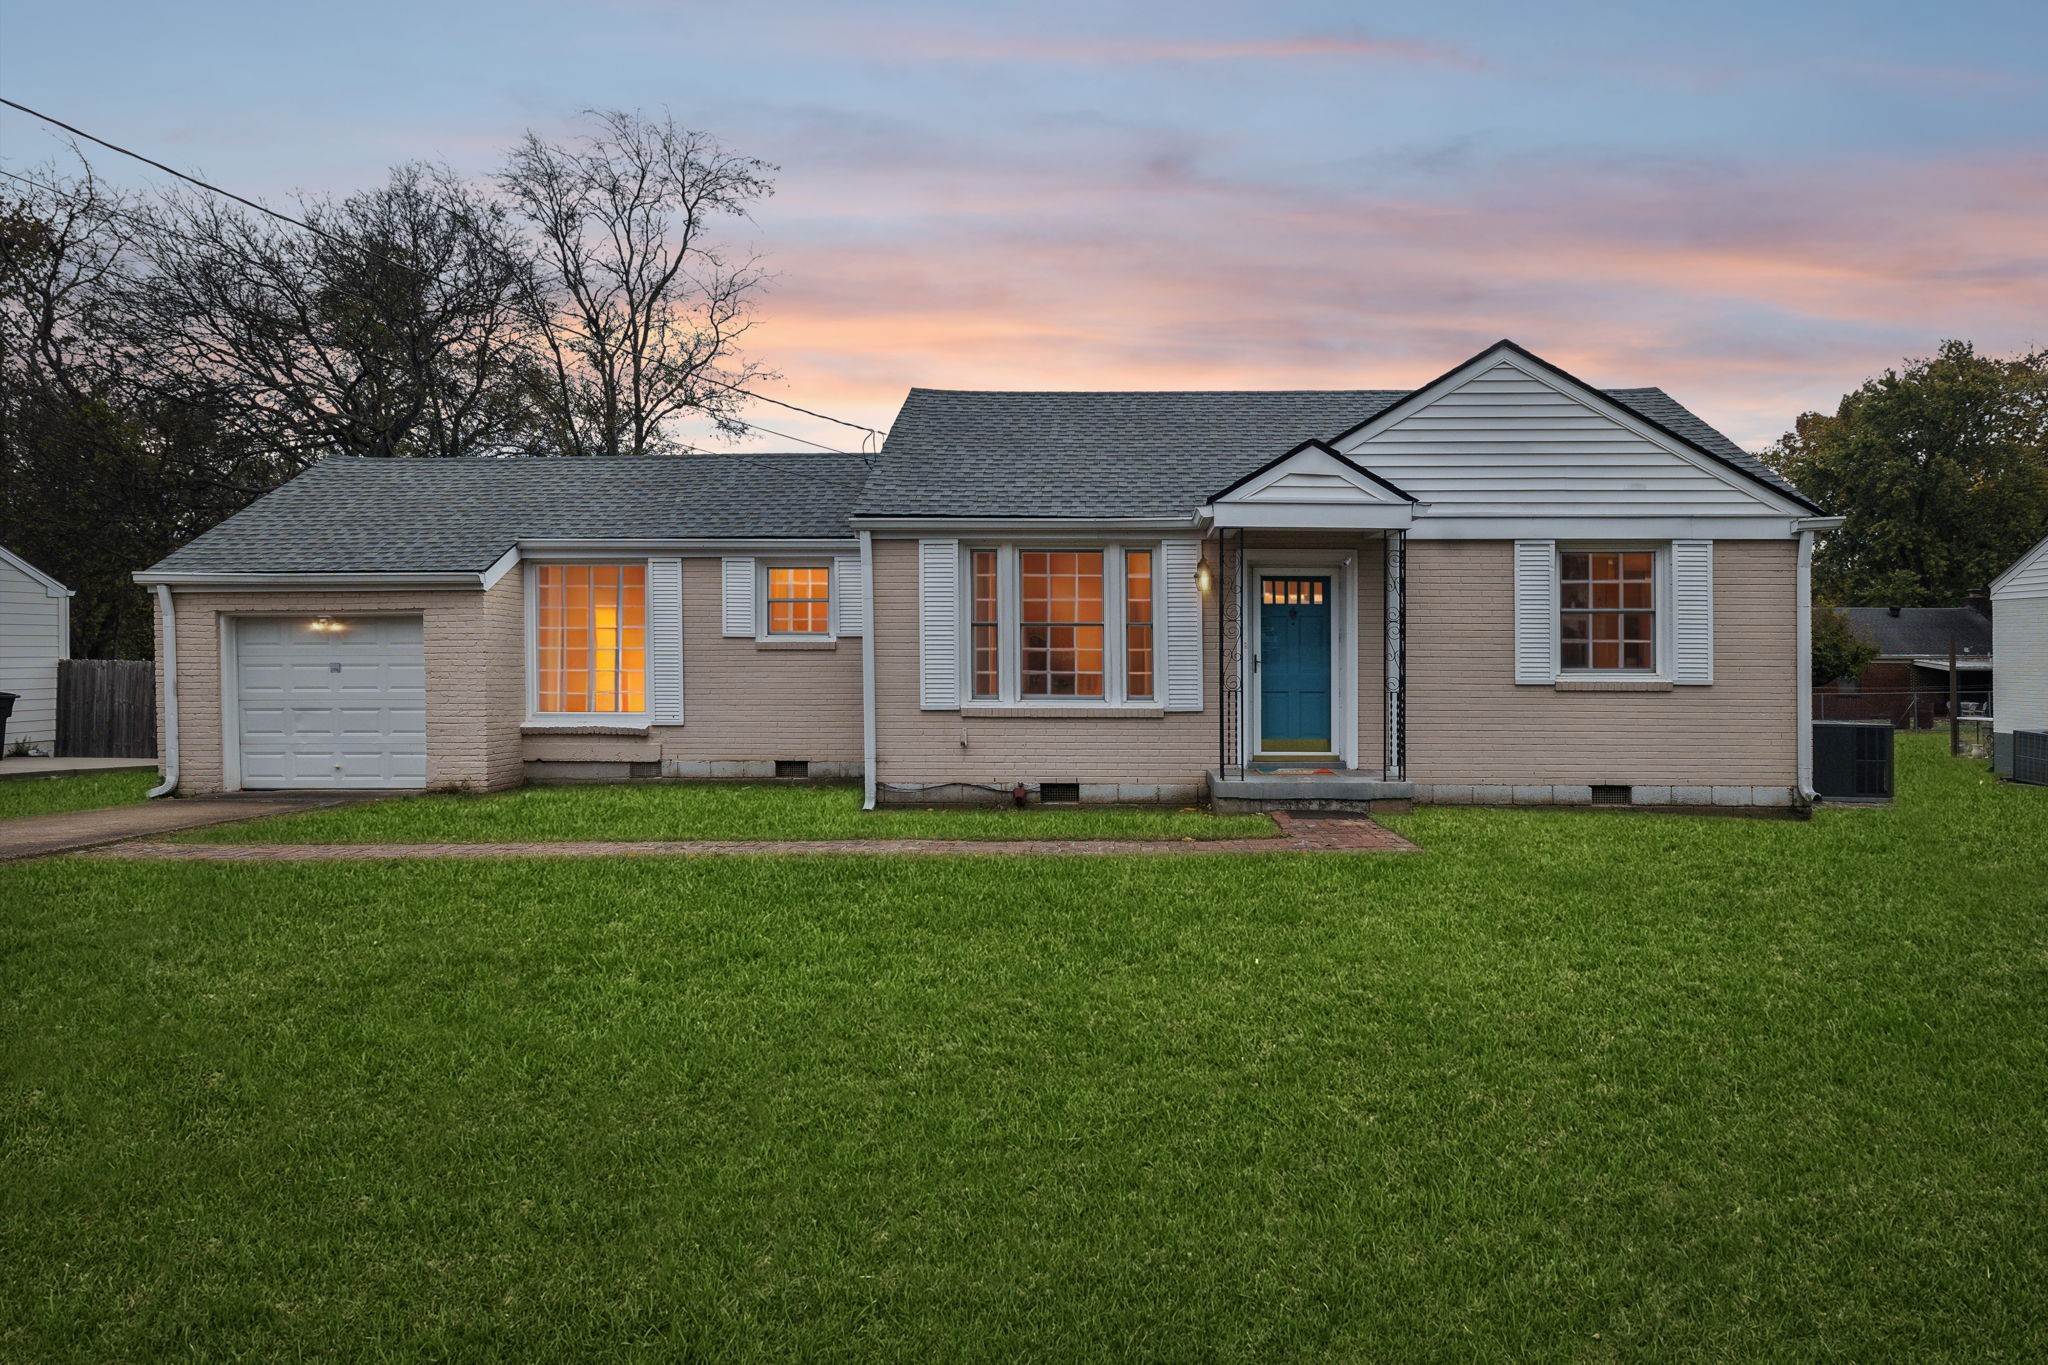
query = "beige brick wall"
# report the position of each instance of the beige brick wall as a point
(473, 643)
(918, 747)
(1468, 722)
(741, 700)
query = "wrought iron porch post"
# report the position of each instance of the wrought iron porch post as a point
(1397, 655)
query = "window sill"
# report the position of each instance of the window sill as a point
(1612, 685)
(1055, 711)
(796, 646)
(586, 728)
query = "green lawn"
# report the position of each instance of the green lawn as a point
(1562, 1087)
(55, 795)
(708, 810)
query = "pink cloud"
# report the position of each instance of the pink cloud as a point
(1752, 293)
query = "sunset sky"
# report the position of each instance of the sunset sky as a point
(1754, 206)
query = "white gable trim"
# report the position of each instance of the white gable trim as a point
(1311, 486)
(51, 587)
(1501, 354)
(2028, 578)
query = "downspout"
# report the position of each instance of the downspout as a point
(1804, 633)
(867, 671)
(168, 667)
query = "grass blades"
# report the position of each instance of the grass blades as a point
(56, 795)
(1566, 1086)
(709, 810)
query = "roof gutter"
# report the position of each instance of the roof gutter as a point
(168, 666)
(264, 582)
(1803, 643)
(867, 671)
(1023, 525)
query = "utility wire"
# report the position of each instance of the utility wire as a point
(370, 251)
(142, 222)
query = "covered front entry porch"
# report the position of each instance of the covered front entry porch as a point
(1308, 581)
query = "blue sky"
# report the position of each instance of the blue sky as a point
(1754, 206)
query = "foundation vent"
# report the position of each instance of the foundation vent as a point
(1059, 793)
(1613, 796)
(792, 767)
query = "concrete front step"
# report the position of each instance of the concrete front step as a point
(1345, 789)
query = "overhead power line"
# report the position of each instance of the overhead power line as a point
(323, 234)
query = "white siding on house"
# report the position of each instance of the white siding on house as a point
(34, 634)
(2019, 653)
(2019, 644)
(1511, 442)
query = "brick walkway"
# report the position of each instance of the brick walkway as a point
(1313, 833)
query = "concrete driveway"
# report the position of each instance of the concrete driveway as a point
(37, 836)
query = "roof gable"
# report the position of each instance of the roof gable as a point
(50, 586)
(1312, 484)
(1507, 433)
(2027, 578)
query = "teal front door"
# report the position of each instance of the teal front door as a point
(1294, 665)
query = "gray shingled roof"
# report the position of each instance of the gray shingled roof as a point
(959, 453)
(1021, 454)
(349, 515)
(1922, 631)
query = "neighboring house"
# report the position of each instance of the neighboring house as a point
(1907, 683)
(35, 632)
(1501, 586)
(2019, 601)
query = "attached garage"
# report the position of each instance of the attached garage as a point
(324, 701)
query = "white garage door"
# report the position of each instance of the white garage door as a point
(339, 706)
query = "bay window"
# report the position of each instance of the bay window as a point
(590, 639)
(1060, 624)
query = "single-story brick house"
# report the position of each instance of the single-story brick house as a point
(1504, 586)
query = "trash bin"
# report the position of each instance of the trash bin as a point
(7, 700)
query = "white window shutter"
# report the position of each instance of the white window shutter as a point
(1692, 605)
(665, 641)
(1536, 612)
(1183, 644)
(849, 596)
(739, 597)
(938, 610)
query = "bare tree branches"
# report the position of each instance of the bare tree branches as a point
(633, 304)
(398, 330)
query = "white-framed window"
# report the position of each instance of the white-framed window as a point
(588, 650)
(1054, 624)
(1608, 610)
(798, 598)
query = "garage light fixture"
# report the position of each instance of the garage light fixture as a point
(326, 623)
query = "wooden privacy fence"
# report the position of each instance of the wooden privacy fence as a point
(106, 708)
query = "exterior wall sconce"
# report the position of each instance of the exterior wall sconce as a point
(325, 624)
(1205, 578)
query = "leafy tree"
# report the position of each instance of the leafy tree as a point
(1838, 650)
(1941, 469)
